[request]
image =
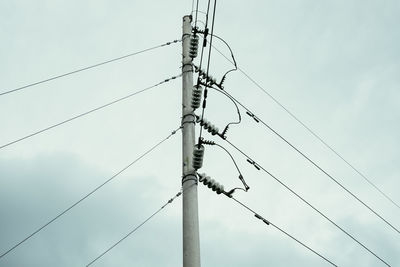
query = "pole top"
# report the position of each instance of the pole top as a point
(189, 17)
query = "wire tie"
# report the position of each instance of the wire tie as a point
(185, 178)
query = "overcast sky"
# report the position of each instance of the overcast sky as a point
(334, 64)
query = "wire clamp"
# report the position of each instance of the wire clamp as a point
(185, 120)
(253, 116)
(261, 218)
(188, 177)
(252, 162)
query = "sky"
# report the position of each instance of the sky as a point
(334, 64)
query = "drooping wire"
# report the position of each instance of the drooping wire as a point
(268, 222)
(258, 166)
(246, 187)
(249, 112)
(87, 112)
(312, 132)
(136, 228)
(223, 133)
(88, 194)
(87, 68)
(208, 63)
(233, 58)
(220, 85)
(237, 110)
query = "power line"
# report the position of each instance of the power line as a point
(87, 112)
(250, 113)
(88, 194)
(87, 68)
(268, 222)
(258, 166)
(136, 228)
(197, 11)
(313, 133)
(208, 65)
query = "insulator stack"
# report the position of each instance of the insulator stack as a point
(196, 96)
(198, 155)
(211, 183)
(209, 127)
(194, 45)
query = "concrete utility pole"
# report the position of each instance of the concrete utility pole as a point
(191, 242)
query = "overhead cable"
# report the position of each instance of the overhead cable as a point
(241, 178)
(136, 228)
(257, 119)
(361, 174)
(268, 222)
(202, 52)
(87, 68)
(208, 65)
(258, 166)
(87, 112)
(87, 195)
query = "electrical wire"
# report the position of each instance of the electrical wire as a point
(232, 56)
(191, 12)
(87, 112)
(268, 222)
(202, 52)
(234, 102)
(197, 11)
(136, 228)
(87, 68)
(88, 194)
(208, 64)
(233, 61)
(317, 166)
(362, 175)
(308, 203)
(246, 187)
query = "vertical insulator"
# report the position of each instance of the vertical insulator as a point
(198, 155)
(196, 96)
(194, 45)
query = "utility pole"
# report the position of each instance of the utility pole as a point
(190, 218)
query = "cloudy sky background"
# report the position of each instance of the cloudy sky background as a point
(335, 64)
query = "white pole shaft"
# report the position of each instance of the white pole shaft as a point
(191, 241)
